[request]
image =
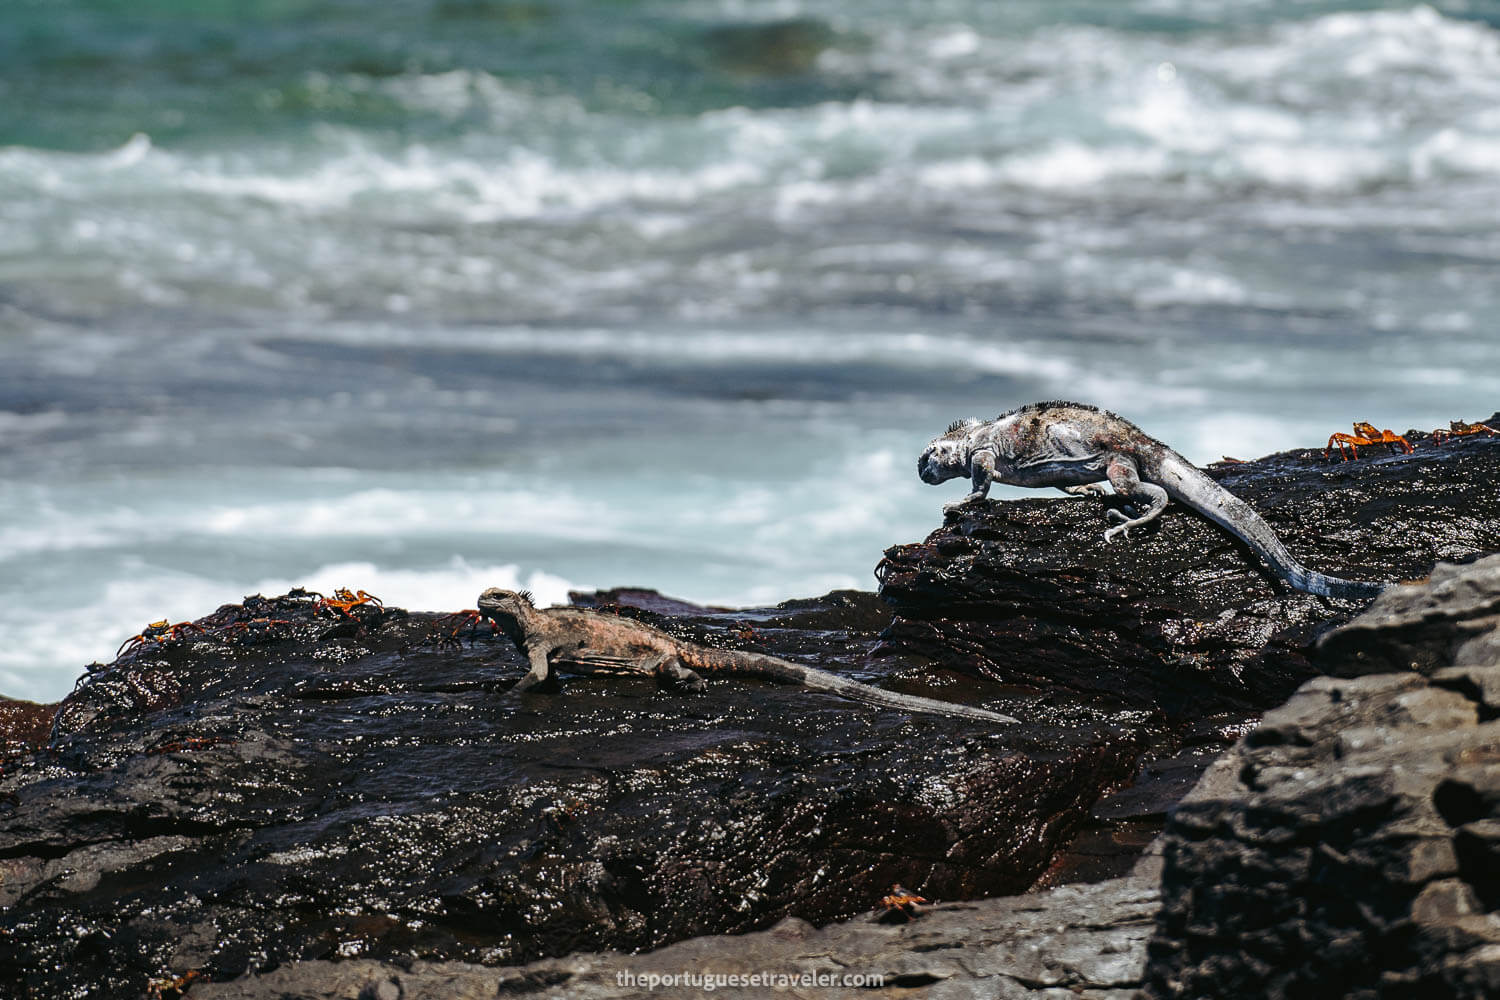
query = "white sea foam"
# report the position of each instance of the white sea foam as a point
(1065, 163)
(1224, 93)
(1180, 225)
(559, 211)
(446, 588)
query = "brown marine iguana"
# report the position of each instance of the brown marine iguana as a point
(593, 642)
(1075, 447)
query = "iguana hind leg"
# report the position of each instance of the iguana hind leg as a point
(1148, 498)
(671, 673)
(1086, 490)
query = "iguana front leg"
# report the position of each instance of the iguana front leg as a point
(1149, 498)
(539, 672)
(982, 474)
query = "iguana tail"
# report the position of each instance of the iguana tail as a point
(723, 661)
(1188, 485)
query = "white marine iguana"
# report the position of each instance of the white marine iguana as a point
(1076, 447)
(594, 642)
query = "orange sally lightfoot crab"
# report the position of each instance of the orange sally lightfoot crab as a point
(257, 629)
(343, 601)
(902, 901)
(156, 632)
(1457, 428)
(468, 618)
(1365, 434)
(170, 987)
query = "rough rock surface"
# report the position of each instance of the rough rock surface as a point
(1455, 620)
(24, 725)
(1181, 617)
(1349, 847)
(288, 789)
(1357, 851)
(286, 783)
(1074, 942)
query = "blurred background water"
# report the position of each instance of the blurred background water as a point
(421, 296)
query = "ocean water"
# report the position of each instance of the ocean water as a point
(421, 296)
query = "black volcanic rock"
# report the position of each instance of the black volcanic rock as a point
(1454, 620)
(285, 782)
(1355, 848)
(1084, 941)
(24, 726)
(1181, 617)
(1348, 847)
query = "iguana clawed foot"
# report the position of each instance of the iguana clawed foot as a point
(674, 676)
(964, 502)
(1144, 503)
(530, 682)
(695, 685)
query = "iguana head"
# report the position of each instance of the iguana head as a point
(497, 602)
(947, 457)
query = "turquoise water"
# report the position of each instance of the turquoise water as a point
(421, 297)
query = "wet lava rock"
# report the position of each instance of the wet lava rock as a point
(284, 783)
(290, 782)
(1355, 848)
(1348, 847)
(1182, 618)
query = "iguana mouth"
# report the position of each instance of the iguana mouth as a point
(925, 471)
